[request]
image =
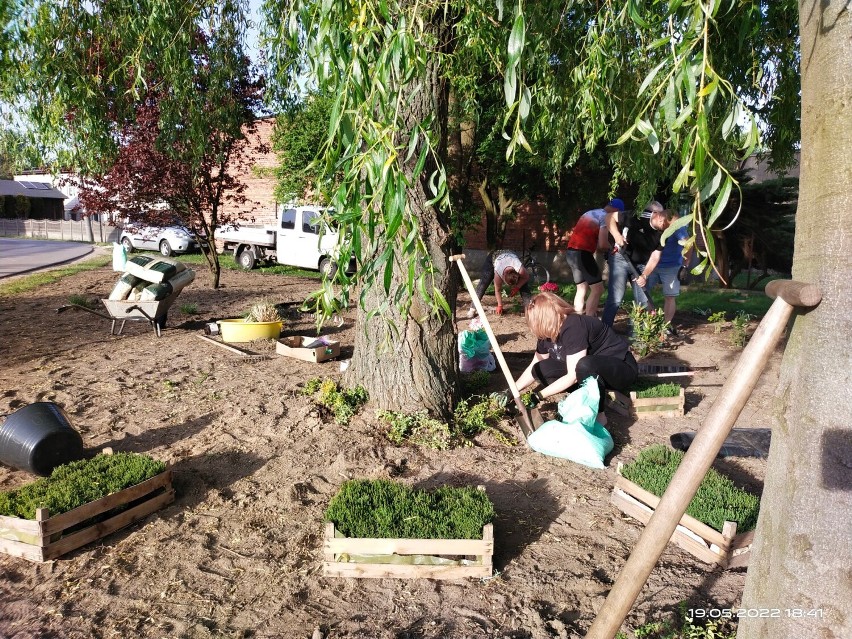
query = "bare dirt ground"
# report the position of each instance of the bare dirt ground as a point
(239, 552)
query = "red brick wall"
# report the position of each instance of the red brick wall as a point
(531, 227)
(255, 172)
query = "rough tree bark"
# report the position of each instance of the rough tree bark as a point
(803, 547)
(420, 362)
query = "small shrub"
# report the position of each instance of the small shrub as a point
(341, 403)
(388, 510)
(739, 326)
(717, 499)
(471, 417)
(72, 485)
(645, 388)
(418, 429)
(648, 329)
(718, 321)
(190, 308)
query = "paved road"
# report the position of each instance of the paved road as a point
(23, 256)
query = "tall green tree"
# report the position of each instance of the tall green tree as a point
(89, 69)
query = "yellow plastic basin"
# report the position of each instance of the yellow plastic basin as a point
(238, 330)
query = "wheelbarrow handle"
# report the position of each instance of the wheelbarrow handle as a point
(64, 308)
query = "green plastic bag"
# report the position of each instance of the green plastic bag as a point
(474, 343)
(578, 437)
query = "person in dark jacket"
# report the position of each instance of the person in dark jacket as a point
(572, 347)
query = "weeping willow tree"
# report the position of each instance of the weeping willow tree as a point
(663, 84)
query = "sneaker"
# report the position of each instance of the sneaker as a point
(471, 313)
(671, 331)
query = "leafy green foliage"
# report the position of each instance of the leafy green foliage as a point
(718, 320)
(418, 429)
(342, 403)
(739, 328)
(72, 485)
(647, 329)
(473, 383)
(717, 499)
(651, 388)
(298, 141)
(388, 510)
(681, 626)
(472, 416)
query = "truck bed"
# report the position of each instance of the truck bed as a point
(263, 236)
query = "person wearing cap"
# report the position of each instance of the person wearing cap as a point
(502, 267)
(637, 239)
(671, 272)
(589, 235)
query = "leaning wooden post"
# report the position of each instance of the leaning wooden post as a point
(703, 450)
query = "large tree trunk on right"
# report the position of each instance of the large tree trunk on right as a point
(802, 557)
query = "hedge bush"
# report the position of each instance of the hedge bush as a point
(717, 500)
(388, 510)
(72, 485)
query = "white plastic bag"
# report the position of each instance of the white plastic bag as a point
(119, 257)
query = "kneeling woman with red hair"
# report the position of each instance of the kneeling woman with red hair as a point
(572, 347)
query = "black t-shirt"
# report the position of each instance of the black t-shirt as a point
(581, 332)
(642, 238)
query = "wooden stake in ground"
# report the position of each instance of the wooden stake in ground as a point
(698, 459)
(530, 418)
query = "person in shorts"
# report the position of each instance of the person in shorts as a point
(670, 272)
(502, 267)
(588, 235)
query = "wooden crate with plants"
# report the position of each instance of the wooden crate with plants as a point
(652, 398)
(81, 502)
(380, 528)
(709, 529)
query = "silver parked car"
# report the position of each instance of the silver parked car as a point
(168, 240)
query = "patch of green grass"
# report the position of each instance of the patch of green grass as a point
(190, 308)
(32, 282)
(389, 510)
(226, 261)
(717, 500)
(72, 485)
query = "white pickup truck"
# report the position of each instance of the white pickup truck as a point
(295, 241)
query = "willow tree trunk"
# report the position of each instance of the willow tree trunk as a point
(802, 562)
(413, 367)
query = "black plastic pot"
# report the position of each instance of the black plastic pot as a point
(39, 437)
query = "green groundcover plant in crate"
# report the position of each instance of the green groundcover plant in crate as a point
(717, 500)
(72, 485)
(384, 509)
(648, 388)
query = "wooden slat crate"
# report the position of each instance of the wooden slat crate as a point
(657, 406)
(49, 537)
(727, 548)
(341, 556)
